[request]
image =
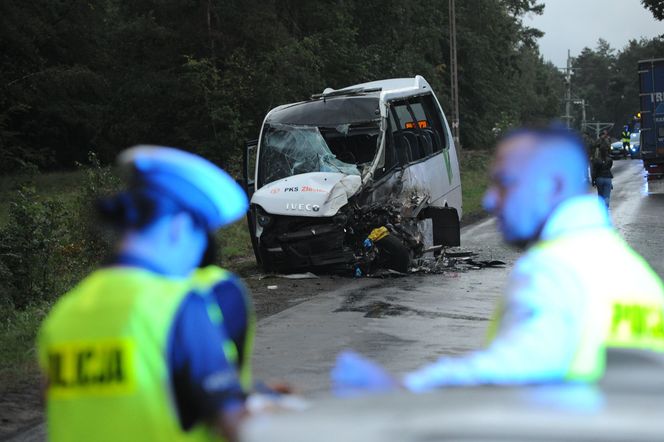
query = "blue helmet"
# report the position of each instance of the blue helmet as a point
(192, 181)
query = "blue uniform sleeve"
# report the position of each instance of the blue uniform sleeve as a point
(203, 380)
(539, 334)
(235, 303)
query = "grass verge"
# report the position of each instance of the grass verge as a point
(60, 186)
(18, 330)
(474, 165)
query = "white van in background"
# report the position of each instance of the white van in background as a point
(374, 160)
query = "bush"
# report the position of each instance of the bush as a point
(93, 242)
(47, 244)
(28, 248)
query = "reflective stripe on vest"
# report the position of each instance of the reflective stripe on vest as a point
(625, 137)
(203, 280)
(627, 312)
(104, 349)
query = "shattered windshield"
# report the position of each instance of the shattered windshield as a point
(288, 149)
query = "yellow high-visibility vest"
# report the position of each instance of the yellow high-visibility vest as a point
(103, 348)
(625, 312)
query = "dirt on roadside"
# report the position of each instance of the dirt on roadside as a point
(20, 407)
(274, 293)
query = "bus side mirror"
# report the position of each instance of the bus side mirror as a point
(249, 165)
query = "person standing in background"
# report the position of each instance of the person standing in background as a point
(602, 178)
(625, 138)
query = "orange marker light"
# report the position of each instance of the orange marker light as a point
(410, 125)
(423, 124)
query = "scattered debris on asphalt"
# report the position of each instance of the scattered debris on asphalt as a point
(307, 275)
(378, 263)
(446, 261)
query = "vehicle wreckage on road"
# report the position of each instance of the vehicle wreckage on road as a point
(359, 178)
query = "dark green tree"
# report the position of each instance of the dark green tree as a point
(52, 96)
(201, 74)
(608, 80)
(656, 7)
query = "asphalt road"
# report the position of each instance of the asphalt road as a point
(405, 322)
(637, 211)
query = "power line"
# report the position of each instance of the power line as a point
(569, 100)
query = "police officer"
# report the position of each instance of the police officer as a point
(561, 309)
(155, 345)
(625, 138)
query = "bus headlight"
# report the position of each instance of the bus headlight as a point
(263, 219)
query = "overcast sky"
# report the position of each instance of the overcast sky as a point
(575, 24)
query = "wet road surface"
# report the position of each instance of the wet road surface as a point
(405, 322)
(637, 211)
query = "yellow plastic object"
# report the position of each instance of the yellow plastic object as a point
(378, 233)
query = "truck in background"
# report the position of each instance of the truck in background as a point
(651, 97)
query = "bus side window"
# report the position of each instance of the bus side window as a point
(425, 136)
(405, 133)
(434, 118)
(418, 131)
(397, 115)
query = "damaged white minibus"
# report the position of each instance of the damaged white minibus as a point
(357, 178)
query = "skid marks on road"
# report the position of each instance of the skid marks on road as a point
(359, 301)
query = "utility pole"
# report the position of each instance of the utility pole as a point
(454, 89)
(568, 92)
(582, 103)
(596, 126)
